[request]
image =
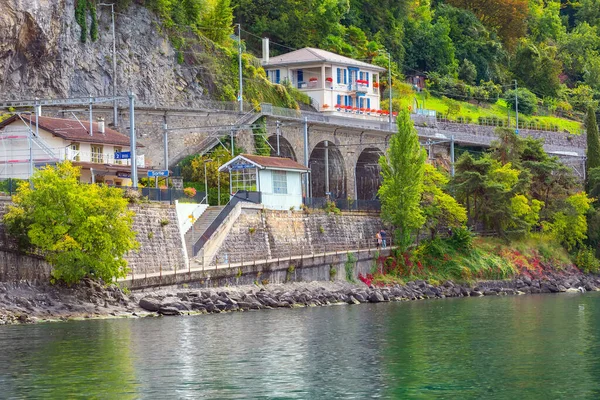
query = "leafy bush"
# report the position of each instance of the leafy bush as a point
(82, 230)
(461, 239)
(586, 260)
(527, 100)
(331, 208)
(189, 191)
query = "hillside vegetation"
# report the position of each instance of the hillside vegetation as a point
(468, 51)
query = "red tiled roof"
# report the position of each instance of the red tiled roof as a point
(275, 162)
(70, 129)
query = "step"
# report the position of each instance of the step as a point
(201, 225)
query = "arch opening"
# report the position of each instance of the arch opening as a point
(326, 152)
(285, 147)
(368, 174)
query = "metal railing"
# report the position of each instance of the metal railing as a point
(239, 196)
(169, 195)
(299, 250)
(343, 204)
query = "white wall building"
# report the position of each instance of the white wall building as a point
(59, 139)
(329, 79)
(279, 180)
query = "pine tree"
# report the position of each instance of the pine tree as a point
(593, 142)
(403, 169)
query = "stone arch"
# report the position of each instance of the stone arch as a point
(337, 171)
(285, 147)
(368, 176)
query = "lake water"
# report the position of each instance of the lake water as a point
(525, 347)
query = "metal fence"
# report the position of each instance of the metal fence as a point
(297, 251)
(169, 195)
(343, 204)
(8, 186)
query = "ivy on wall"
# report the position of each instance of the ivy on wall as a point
(81, 10)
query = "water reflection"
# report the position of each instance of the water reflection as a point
(510, 347)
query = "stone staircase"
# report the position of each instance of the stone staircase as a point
(201, 225)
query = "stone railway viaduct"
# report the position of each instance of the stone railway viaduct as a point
(349, 146)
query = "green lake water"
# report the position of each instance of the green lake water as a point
(518, 347)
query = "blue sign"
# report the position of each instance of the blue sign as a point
(122, 155)
(517, 131)
(123, 174)
(236, 167)
(155, 173)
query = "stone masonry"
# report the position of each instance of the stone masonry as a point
(261, 234)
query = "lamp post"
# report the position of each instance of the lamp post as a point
(389, 83)
(206, 180)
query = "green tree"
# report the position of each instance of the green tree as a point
(402, 169)
(217, 22)
(593, 142)
(439, 208)
(569, 226)
(83, 230)
(527, 100)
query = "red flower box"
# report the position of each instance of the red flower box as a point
(376, 84)
(312, 79)
(329, 80)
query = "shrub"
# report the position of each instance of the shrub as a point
(332, 272)
(164, 222)
(461, 239)
(349, 266)
(331, 208)
(586, 260)
(527, 100)
(189, 191)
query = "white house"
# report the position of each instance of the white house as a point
(334, 82)
(58, 139)
(279, 180)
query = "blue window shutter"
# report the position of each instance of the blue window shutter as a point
(345, 76)
(368, 103)
(339, 99)
(362, 75)
(300, 75)
(367, 76)
(277, 76)
(339, 75)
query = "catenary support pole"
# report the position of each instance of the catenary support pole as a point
(241, 90)
(134, 177)
(232, 146)
(91, 118)
(278, 133)
(306, 188)
(326, 168)
(452, 154)
(390, 86)
(166, 141)
(516, 107)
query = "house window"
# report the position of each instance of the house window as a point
(277, 76)
(300, 76)
(279, 182)
(118, 150)
(345, 76)
(243, 179)
(339, 75)
(97, 154)
(74, 152)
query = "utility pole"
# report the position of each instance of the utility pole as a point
(326, 169)
(134, 177)
(232, 148)
(516, 108)
(278, 133)
(241, 89)
(166, 141)
(114, 63)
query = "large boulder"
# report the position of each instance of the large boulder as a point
(150, 304)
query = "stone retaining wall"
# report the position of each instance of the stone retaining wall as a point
(161, 246)
(260, 234)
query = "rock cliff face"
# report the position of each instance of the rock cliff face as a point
(41, 55)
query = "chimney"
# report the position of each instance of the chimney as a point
(265, 50)
(101, 125)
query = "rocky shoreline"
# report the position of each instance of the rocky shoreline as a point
(29, 303)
